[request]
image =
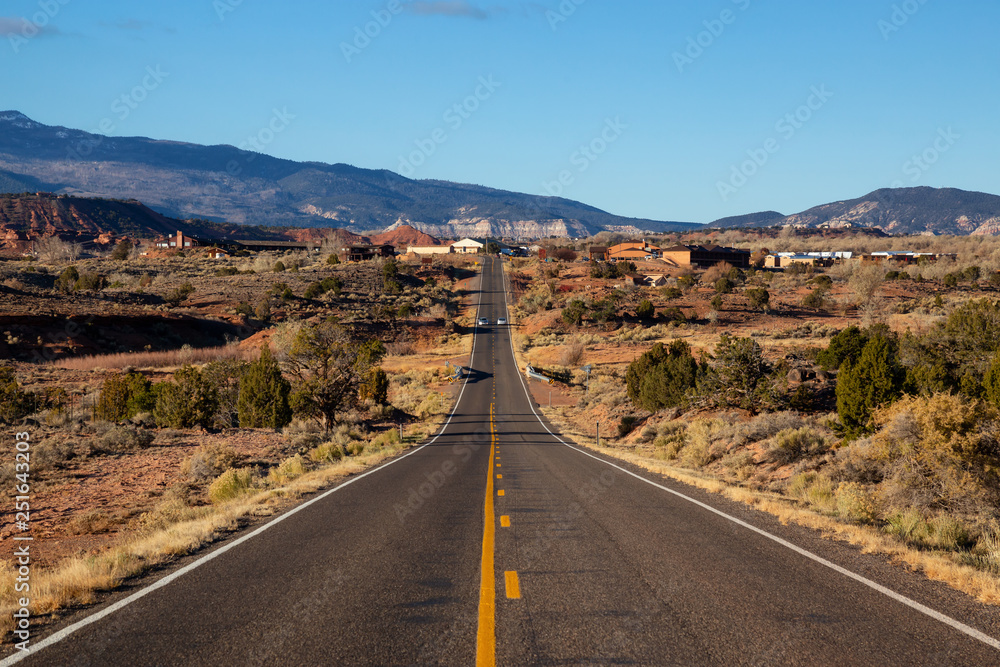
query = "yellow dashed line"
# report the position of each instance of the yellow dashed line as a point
(505, 521)
(513, 585)
(500, 492)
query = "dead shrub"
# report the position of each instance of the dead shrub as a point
(121, 439)
(209, 461)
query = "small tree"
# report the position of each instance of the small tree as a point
(741, 372)
(866, 282)
(724, 286)
(279, 267)
(662, 377)
(122, 251)
(845, 345)
(66, 282)
(645, 310)
(263, 398)
(191, 400)
(328, 366)
(376, 387)
(759, 298)
(123, 397)
(333, 260)
(15, 403)
(874, 381)
(572, 314)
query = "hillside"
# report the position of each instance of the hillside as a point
(920, 210)
(224, 183)
(35, 215)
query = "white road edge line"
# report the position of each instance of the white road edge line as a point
(107, 611)
(902, 599)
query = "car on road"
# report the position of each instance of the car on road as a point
(483, 322)
(501, 321)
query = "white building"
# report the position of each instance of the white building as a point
(429, 249)
(467, 246)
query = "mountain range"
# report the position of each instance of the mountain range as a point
(229, 186)
(226, 184)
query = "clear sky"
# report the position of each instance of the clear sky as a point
(685, 110)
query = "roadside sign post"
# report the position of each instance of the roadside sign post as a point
(587, 369)
(598, 433)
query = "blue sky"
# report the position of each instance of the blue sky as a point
(666, 110)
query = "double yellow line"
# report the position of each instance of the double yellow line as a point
(486, 639)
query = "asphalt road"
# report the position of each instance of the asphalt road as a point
(585, 563)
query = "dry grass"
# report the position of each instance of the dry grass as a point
(162, 359)
(938, 566)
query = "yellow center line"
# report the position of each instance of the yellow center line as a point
(486, 638)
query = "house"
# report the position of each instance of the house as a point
(655, 281)
(429, 249)
(467, 247)
(631, 251)
(702, 256)
(217, 253)
(178, 242)
(364, 252)
(783, 261)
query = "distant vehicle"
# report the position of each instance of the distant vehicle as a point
(483, 322)
(501, 321)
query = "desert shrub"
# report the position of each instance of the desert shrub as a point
(855, 503)
(279, 267)
(951, 280)
(177, 295)
(791, 445)
(89, 281)
(572, 353)
(430, 406)
(122, 439)
(573, 313)
(815, 299)
(536, 299)
(287, 470)
(328, 452)
(759, 298)
(645, 310)
(662, 377)
(66, 282)
(938, 452)
(740, 373)
(717, 302)
(670, 441)
(123, 397)
(122, 251)
(191, 400)
(626, 425)
(875, 380)
(231, 484)
(15, 403)
(227, 271)
(333, 260)
(209, 461)
(375, 387)
(814, 488)
(724, 286)
(671, 293)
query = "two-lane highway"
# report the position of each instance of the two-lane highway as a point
(498, 543)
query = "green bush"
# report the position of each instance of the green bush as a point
(123, 397)
(333, 260)
(645, 310)
(66, 282)
(122, 251)
(572, 314)
(263, 396)
(662, 377)
(845, 346)
(791, 444)
(191, 400)
(724, 286)
(176, 296)
(759, 298)
(874, 381)
(279, 267)
(15, 403)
